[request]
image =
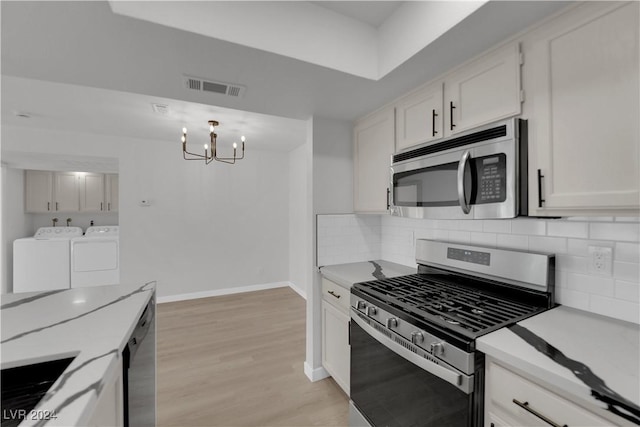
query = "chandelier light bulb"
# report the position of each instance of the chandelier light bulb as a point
(183, 138)
(211, 128)
(242, 138)
(235, 145)
(184, 130)
(206, 146)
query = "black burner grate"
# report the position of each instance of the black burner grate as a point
(468, 310)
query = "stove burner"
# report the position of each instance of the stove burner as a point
(469, 310)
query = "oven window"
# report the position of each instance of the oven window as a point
(391, 391)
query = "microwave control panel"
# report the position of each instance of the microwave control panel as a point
(491, 179)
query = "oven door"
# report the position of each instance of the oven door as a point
(393, 386)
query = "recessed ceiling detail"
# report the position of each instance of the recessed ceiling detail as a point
(325, 35)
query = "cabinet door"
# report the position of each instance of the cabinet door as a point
(336, 353)
(112, 193)
(38, 191)
(92, 192)
(373, 147)
(419, 117)
(65, 192)
(584, 122)
(483, 91)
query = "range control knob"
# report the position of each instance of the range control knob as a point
(371, 311)
(437, 348)
(361, 305)
(392, 322)
(417, 337)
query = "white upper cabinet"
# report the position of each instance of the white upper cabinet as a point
(112, 193)
(65, 192)
(419, 117)
(483, 91)
(582, 78)
(91, 192)
(38, 191)
(47, 191)
(373, 147)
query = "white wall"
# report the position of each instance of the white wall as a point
(300, 217)
(332, 193)
(209, 227)
(15, 224)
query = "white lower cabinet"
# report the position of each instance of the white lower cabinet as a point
(336, 352)
(109, 408)
(513, 400)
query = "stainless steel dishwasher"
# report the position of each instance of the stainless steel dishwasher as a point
(139, 372)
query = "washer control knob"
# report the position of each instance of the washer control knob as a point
(371, 311)
(361, 305)
(392, 322)
(437, 348)
(417, 337)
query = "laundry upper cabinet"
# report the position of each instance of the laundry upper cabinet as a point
(66, 192)
(112, 193)
(38, 191)
(483, 90)
(581, 74)
(91, 192)
(373, 146)
(419, 116)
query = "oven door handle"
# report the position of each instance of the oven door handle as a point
(466, 208)
(452, 377)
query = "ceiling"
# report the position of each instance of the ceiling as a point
(78, 66)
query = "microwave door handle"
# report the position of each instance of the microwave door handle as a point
(466, 208)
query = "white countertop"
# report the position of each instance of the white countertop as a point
(92, 324)
(576, 352)
(348, 274)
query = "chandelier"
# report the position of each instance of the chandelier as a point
(210, 151)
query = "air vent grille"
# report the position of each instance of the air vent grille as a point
(484, 135)
(208, 85)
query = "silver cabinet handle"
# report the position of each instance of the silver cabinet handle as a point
(527, 408)
(48, 206)
(56, 205)
(461, 196)
(100, 205)
(109, 206)
(452, 377)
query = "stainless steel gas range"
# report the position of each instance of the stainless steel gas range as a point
(413, 358)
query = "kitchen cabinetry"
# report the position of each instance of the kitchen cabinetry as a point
(512, 399)
(483, 91)
(47, 191)
(91, 192)
(582, 76)
(109, 407)
(336, 353)
(38, 191)
(112, 193)
(373, 146)
(419, 117)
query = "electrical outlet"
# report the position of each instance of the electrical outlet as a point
(600, 260)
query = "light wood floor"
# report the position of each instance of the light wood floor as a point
(237, 360)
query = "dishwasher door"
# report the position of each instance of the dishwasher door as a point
(140, 372)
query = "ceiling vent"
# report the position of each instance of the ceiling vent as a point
(212, 86)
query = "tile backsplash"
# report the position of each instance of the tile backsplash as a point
(352, 238)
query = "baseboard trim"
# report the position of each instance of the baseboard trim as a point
(227, 291)
(316, 374)
(299, 291)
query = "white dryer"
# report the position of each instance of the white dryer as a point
(95, 258)
(42, 262)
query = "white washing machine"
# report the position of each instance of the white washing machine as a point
(95, 258)
(42, 262)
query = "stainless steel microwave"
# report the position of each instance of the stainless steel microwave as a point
(481, 174)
